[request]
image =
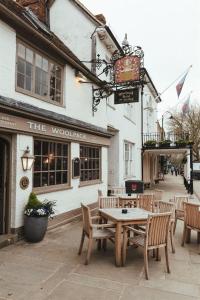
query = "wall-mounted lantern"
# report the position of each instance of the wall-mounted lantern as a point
(27, 160)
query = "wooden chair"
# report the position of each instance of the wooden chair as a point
(163, 207)
(154, 237)
(191, 219)
(93, 231)
(118, 190)
(145, 201)
(179, 211)
(158, 194)
(108, 202)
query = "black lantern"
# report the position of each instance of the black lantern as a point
(27, 160)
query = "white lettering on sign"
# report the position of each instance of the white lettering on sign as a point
(6, 121)
(68, 133)
(37, 126)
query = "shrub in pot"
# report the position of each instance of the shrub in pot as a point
(36, 216)
(165, 143)
(181, 143)
(150, 143)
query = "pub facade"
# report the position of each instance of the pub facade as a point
(47, 113)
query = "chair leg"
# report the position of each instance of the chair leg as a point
(146, 267)
(89, 251)
(172, 238)
(167, 259)
(175, 223)
(124, 248)
(184, 236)
(104, 244)
(198, 237)
(81, 244)
(99, 245)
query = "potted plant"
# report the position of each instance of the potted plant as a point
(164, 143)
(150, 143)
(36, 216)
(181, 143)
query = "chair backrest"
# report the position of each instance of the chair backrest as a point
(179, 199)
(158, 194)
(192, 214)
(108, 202)
(164, 206)
(145, 201)
(118, 190)
(87, 223)
(157, 229)
(100, 194)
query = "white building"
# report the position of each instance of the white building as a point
(45, 107)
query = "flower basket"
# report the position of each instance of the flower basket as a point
(36, 216)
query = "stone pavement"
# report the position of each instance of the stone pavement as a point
(52, 270)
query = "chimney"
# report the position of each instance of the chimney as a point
(38, 7)
(101, 18)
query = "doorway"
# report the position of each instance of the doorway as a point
(4, 201)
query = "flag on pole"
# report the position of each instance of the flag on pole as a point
(186, 105)
(180, 84)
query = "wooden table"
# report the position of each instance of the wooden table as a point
(134, 216)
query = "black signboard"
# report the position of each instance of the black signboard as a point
(126, 96)
(75, 167)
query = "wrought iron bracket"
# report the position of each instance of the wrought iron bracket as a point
(98, 94)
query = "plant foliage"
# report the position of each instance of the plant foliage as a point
(37, 208)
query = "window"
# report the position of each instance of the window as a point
(51, 166)
(128, 159)
(90, 163)
(37, 75)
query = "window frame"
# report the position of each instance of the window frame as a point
(50, 60)
(92, 181)
(130, 162)
(55, 187)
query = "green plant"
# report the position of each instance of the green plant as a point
(164, 142)
(36, 208)
(181, 142)
(150, 143)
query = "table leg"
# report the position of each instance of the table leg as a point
(188, 235)
(118, 244)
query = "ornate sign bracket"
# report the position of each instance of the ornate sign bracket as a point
(126, 70)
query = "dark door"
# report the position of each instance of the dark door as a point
(2, 186)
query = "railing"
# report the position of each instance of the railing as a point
(172, 137)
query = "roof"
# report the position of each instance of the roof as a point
(27, 24)
(25, 109)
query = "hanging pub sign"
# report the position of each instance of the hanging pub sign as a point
(127, 69)
(126, 96)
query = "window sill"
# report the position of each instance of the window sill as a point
(92, 182)
(51, 189)
(19, 90)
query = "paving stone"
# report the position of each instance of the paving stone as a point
(75, 291)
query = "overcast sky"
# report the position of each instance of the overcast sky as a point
(169, 33)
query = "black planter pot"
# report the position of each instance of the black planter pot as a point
(164, 145)
(35, 228)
